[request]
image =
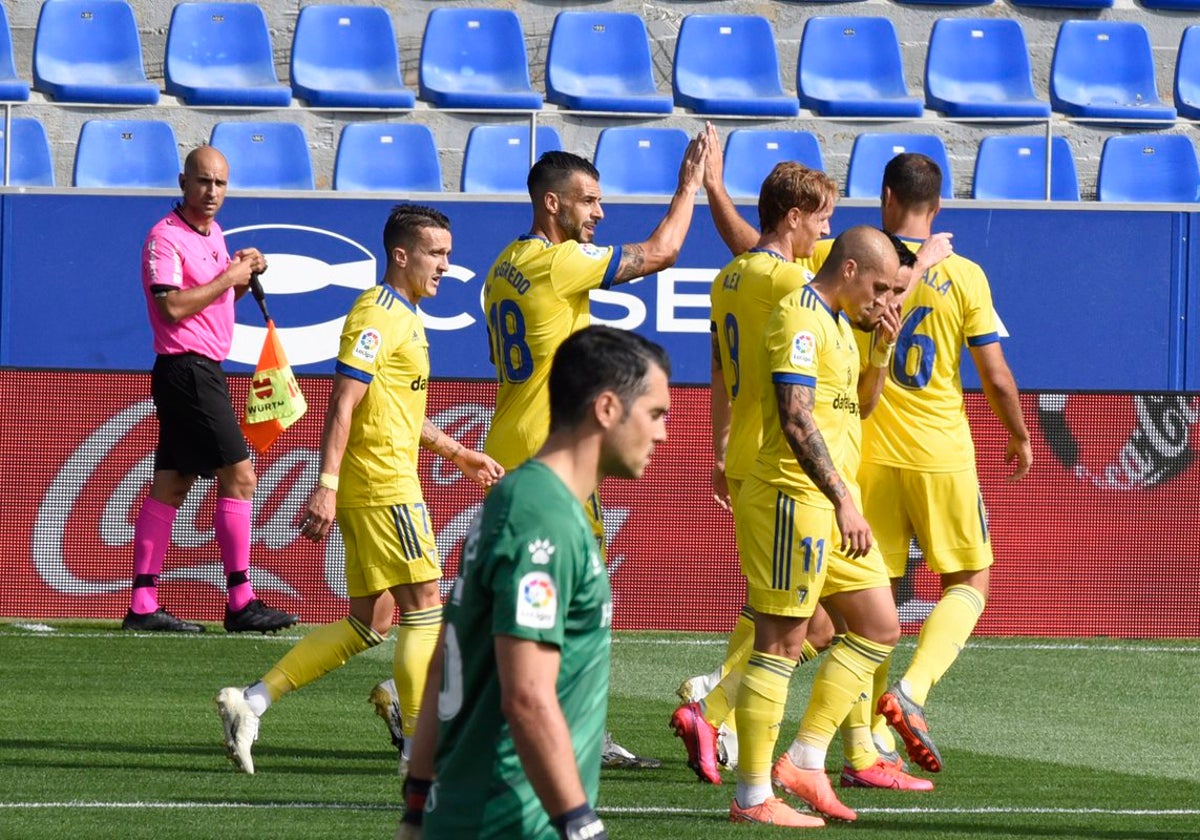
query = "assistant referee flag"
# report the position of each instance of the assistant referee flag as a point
(274, 401)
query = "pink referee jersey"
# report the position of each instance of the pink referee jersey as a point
(177, 256)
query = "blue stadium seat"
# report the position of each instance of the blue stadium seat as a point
(871, 153)
(1013, 168)
(727, 64)
(220, 54)
(750, 155)
(30, 164)
(1187, 74)
(264, 155)
(979, 67)
(1104, 69)
(946, 2)
(138, 154)
(90, 51)
(12, 88)
(1172, 5)
(600, 61)
(497, 157)
(634, 160)
(1064, 4)
(475, 58)
(382, 156)
(346, 57)
(1148, 167)
(851, 67)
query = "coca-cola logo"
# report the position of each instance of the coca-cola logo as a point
(1154, 451)
(95, 493)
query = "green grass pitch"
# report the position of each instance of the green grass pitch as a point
(111, 735)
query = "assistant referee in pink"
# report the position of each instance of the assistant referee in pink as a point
(191, 284)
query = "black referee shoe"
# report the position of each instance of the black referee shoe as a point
(257, 617)
(159, 621)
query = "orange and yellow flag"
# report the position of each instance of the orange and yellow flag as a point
(274, 401)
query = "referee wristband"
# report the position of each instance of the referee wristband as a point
(881, 356)
(329, 481)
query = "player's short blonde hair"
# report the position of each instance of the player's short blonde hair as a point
(789, 185)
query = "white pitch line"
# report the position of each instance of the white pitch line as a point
(1112, 812)
(714, 640)
(170, 806)
(665, 811)
(981, 644)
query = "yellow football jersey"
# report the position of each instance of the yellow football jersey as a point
(743, 296)
(535, 296)
(383, 344)
(920, 422)
(807, 344)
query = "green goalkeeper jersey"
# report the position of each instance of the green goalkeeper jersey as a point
(530, 570)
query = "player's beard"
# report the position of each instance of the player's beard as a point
(571, 228)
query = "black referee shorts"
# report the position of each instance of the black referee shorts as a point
(198, 433)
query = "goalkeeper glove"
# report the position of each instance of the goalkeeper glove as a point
(581, 823)
(415, 792)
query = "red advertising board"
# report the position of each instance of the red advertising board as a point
(1102, 538)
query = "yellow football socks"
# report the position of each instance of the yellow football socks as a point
(741, 642)
(719, 703)
(416, 639)
(857, 746)
(879, 726)
(840, 682)
(759, 712)
(942, 638)
(318, 653)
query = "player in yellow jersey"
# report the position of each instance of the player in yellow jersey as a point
(537, 293)
(793, 510)
(918, 473)
(373, 430)
(863, 763)
(794, 207)
(926, 436)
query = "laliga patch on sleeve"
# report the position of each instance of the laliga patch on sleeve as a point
(367, 346)
(804, 349)
(537, 601)
(593, 251)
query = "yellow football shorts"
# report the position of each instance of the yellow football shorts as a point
(853, 574)
(784, 547)
(943, 510)
(387, 546)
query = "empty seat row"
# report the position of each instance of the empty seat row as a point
(631, 160)
(346, 57)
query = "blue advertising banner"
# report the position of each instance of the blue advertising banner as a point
(1080, 310)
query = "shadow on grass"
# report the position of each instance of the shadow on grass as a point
(18, 753)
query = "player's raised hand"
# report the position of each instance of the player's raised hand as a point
(1018, 455)
(856, 533)
(714, 161)
(888, 328)
(691, 171)
(932, 251)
